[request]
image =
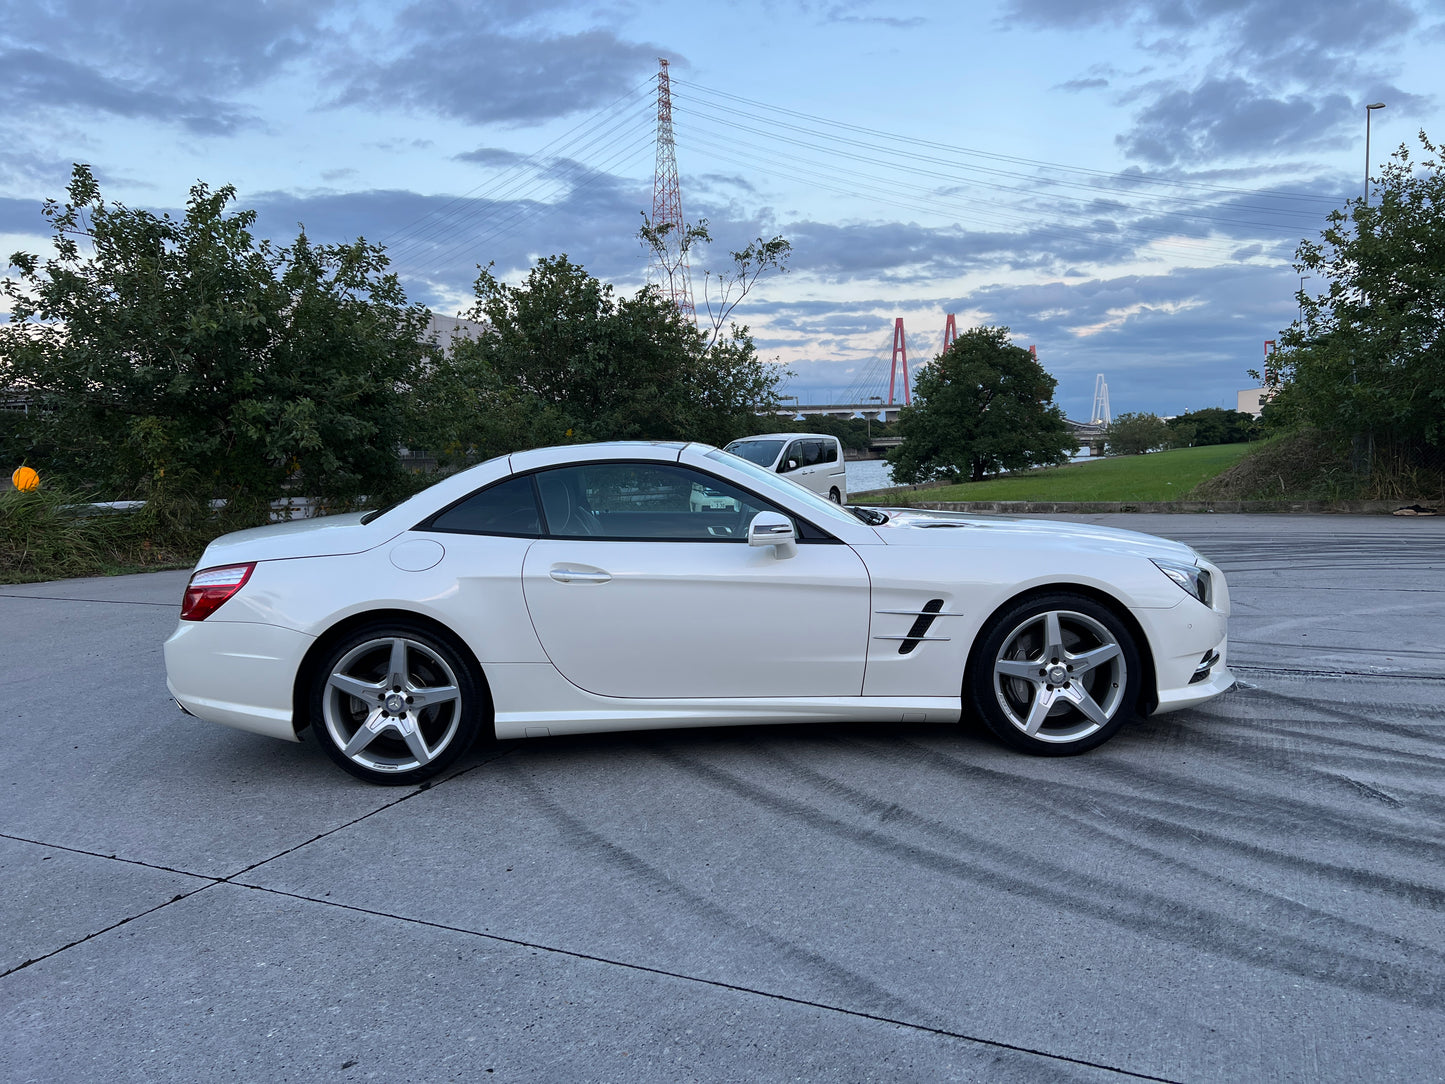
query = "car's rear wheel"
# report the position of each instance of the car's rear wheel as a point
(1055, 675)
(395, 703)
(835, 496)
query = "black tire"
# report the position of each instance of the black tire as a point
(835, 496)
(1055, 698)
(413, 690)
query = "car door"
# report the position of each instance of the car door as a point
(638, 592)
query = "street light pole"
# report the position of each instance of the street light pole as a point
(869, 415)
(1368, 110)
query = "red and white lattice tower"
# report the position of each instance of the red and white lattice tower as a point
(900, 354)
(950, 332)
(671, 264)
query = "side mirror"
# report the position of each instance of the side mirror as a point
(776, 530)
(789, 464)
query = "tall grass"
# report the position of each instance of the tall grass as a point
(50, 534)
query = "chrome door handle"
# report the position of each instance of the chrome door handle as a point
(579, 575)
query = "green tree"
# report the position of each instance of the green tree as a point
(183, 358)
(1135, 434)
(1368, 358)
(1212, 425)
(982, 406)
(563, 358)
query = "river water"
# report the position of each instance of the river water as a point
(866, 474)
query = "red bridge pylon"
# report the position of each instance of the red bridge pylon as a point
(900, 353)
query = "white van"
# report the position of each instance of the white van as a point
(813, 460)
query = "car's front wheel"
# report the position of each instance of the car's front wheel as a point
(1055, 675)
(395, 703)
(835, 496)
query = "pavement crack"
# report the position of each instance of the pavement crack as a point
(113, 926)
(100, 601)
(419, 789)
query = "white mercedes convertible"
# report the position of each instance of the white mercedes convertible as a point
(644, 585)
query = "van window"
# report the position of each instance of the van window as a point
(761, 452)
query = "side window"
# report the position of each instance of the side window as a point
(507, 508)
(830, 451)
(812, 453)
(794, 454)
(644, 501)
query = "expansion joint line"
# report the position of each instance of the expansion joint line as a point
(210, 880)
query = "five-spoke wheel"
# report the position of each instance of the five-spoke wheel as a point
(1055, 675)
(395, 703)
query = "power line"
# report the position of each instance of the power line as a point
(1032, 203)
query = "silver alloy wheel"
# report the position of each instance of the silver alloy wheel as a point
(1060, 676)
(392, 704)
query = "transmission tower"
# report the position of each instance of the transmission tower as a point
(900, 354)
(1100, 414)
(670, 264)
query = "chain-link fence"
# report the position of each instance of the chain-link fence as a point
(1400, 470)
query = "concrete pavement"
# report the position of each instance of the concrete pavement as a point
(1252, 890)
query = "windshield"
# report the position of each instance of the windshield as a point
(762, 452)
(818, 506)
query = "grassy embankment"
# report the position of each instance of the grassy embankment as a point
(1159, 476)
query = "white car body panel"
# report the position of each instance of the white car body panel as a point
(677, 619)
(678, 633)
(570, 710)
(240, 673)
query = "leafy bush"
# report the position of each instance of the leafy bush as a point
(157, 349)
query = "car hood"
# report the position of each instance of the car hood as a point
(324, 536)
(920, 527)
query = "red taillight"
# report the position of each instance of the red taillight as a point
(212, 586)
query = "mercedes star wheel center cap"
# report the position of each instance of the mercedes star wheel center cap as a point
(395, 704)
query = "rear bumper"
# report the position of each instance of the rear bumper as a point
(236, 673)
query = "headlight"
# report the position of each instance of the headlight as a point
(1190, 577)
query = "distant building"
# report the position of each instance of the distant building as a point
(442, 330)
(1252, 400)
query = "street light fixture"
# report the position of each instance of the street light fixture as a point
(1368, 110)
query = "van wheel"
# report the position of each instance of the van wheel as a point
(835, 496)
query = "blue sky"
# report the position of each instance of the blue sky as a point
(1122, 184)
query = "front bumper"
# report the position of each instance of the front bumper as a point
(1191, 654)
